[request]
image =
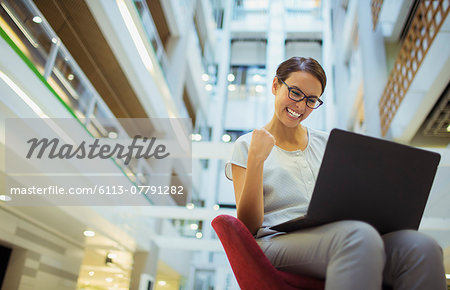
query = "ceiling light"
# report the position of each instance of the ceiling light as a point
(162, 283)
(205, 77)
(54, 40)
(113, 135)
(190, 205)
(37, 19)
(252, 5)
(208, 87)
(70, 77)
(5, 198)
(193, 226)
(108, 279)
(448, 128)
(89, 233)
(23, 95)
(196, 137)
(112, 255)
(230, 77)
(91, 273)
(259, 89)
(119, 275)
(226, 138)
(257, 78)
(199, 235)
(231, 88)
(216, 207)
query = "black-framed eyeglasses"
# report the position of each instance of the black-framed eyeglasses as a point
(297, 95)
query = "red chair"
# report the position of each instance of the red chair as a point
(250, 266)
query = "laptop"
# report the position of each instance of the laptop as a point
(380, 182)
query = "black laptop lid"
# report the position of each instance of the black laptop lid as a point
(383, 183)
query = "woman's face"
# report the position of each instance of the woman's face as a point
(289, 112)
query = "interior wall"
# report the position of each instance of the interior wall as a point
(248, 53)
(40, 259)
(305, 49)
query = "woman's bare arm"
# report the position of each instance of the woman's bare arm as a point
(248, 182)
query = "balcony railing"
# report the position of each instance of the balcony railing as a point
(375, 6)
(250, 13)
(246, 83)
(152, 34)
(426, 23)
(303, 8)
(24, 27)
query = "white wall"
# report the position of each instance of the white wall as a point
(248, 53)
(304, 49)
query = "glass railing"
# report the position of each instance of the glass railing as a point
(152, 34)
(218, 12)
(250, 12)
(25, 28)
(188, 228)
(155, 41)
(303, 15)
(245, 83)
(207, 60)
(303, 8)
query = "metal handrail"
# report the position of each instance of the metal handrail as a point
(152, 34)
(79, 95)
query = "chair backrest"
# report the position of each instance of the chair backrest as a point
(251, 267)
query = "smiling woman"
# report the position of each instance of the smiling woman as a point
(290, 97)
(298, 81)
(274, 170)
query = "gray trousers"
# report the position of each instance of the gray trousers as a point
(352, 255)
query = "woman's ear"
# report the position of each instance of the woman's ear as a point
(275, 85)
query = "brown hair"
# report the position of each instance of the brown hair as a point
(306, 64)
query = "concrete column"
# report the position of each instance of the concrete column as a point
(276, 37)
(176, 51)
(218, 103)
(327, 56)
(374, 68)
(145, 264)
(221, 278)
(177, 46)
(216, 120)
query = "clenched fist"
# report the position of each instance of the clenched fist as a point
(261, 144)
